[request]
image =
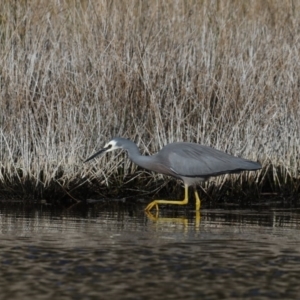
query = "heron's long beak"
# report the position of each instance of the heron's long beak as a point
(97, 153)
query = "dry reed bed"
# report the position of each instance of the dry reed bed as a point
(73, 74)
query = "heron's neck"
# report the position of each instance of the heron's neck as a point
(135, 156)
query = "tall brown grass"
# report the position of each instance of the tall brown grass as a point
(74, 74)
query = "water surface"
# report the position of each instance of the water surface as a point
(110, 253)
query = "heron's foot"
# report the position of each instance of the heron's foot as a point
(156, 202)
(151, 205)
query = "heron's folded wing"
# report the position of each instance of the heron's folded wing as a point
(197, 160)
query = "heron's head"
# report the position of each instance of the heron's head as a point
(112, 145)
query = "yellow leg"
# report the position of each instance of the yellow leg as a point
(198, 201)
(176, 202)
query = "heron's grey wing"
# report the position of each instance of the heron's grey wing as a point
(193, 160)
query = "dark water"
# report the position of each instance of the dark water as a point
(97, 253)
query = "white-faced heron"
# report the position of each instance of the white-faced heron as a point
(190, 162)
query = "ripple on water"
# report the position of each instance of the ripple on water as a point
(90, 253)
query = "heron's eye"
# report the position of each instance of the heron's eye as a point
(109, 146)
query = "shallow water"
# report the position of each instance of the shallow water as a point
(111, 253)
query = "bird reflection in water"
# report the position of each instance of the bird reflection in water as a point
(185, 220)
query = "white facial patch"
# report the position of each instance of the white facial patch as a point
(112, 145)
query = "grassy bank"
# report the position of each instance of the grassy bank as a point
(73, 74)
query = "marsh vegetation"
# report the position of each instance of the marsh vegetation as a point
(74, 74)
